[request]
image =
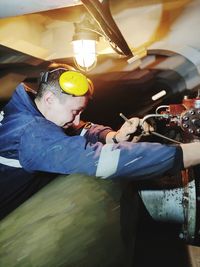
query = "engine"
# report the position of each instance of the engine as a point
(185, 115)
(178, 202)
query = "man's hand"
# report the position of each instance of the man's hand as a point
(131, 127)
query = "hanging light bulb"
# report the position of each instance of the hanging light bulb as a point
(84, 45)
(84, 48)
(97, 21)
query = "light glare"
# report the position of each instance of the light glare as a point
(85, 52)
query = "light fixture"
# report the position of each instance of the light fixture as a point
(84, 44)
(97, 22)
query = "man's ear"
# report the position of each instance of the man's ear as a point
(49, 98)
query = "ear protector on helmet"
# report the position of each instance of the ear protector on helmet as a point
(71, 82)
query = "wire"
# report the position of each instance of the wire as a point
(163, 106)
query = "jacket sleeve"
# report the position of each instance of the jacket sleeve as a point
(92, 132)
(45, 147)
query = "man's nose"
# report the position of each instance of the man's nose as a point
(77, 120)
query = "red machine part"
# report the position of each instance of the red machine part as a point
(185, 115)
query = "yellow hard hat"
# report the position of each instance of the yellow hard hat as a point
(75, 83)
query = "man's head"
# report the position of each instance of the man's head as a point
(62, 96)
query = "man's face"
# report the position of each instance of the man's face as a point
(67, 112)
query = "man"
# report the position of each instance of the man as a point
(33, 140)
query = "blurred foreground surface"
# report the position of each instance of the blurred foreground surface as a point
(73, 221)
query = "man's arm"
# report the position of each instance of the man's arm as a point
(106, 135)
(191, 154)
(45, 147)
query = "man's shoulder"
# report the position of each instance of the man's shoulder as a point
(41, 124)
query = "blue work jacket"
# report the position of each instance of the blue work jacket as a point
(29, 143)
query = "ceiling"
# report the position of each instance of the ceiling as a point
(163, 36)
(44, 29)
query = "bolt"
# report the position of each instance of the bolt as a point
(185, 118)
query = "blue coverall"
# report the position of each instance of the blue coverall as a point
(30, 144)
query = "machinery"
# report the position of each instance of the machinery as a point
(177, 199)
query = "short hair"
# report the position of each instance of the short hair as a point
(49, 81)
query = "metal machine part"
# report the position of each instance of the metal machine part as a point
(185, 115)
(179, 203)
(176, 205)
(190, 121)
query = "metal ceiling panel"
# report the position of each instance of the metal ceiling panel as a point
(20, 7)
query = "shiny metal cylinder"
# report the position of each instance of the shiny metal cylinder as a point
(175, 206)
